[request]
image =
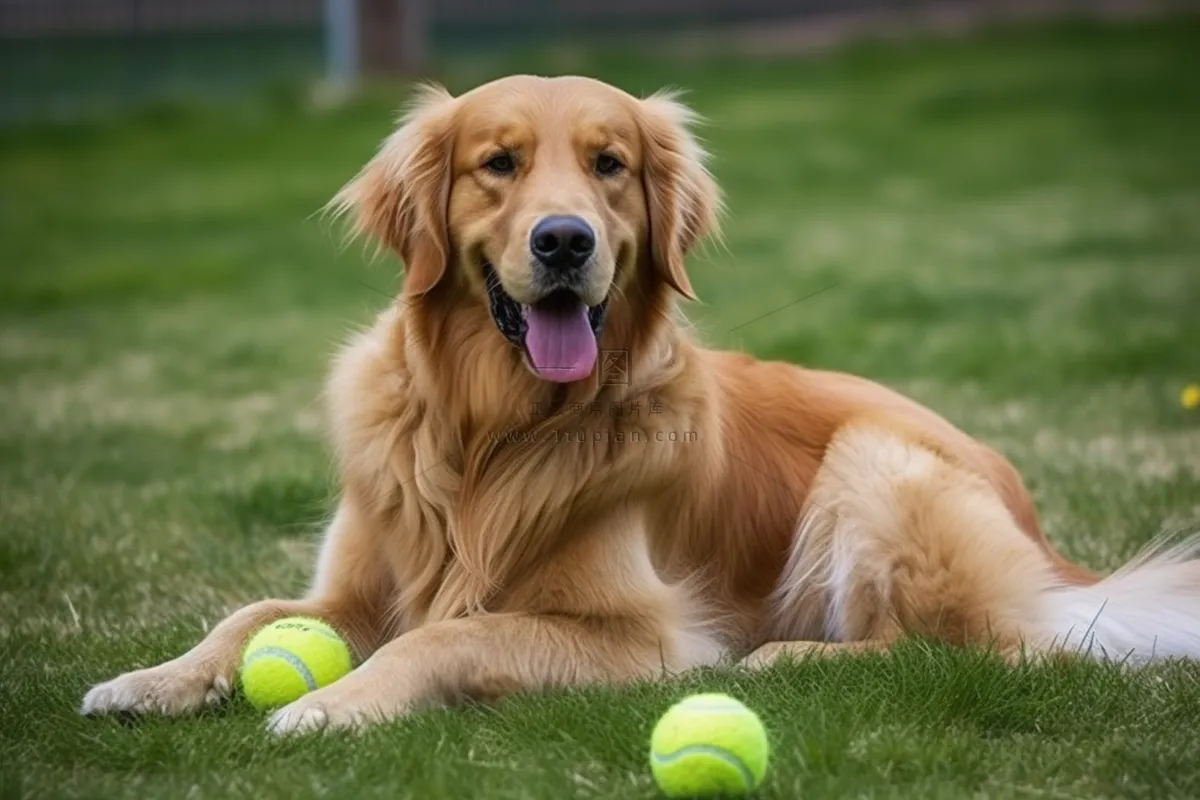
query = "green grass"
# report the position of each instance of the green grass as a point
(1012, 223)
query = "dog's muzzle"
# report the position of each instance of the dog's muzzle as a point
(558, 334)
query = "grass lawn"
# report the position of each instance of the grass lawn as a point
(1012, 223)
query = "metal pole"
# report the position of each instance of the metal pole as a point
(341, 43)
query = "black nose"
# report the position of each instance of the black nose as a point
(562, 242)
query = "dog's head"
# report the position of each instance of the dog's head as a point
(540, 199)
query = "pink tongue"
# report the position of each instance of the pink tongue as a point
(560, 342)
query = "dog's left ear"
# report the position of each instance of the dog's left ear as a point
(684, 200)
(401, 196)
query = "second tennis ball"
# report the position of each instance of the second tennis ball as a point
(709, 745)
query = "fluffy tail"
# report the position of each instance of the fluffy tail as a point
(1147, 610)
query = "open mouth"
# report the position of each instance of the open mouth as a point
(558, 334)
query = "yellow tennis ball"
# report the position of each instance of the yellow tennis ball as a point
(1189, 398)
(709, 745)
(289, 658)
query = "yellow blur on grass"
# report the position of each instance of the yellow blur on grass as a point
(1189, 398)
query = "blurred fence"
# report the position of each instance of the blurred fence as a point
(70, 57)
(67, 57)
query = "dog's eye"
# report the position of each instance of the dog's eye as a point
(501, 164)
(607, 165)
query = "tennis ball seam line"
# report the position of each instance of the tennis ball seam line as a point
(709, 750)
(291, 658)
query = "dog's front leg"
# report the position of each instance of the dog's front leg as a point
(482, 658)
(204, 675)
(597, 612)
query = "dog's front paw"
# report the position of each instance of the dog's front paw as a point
(298, 717)
(310, 716)
(353, 703)
(175, 687)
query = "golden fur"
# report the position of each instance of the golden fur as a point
(497, 532)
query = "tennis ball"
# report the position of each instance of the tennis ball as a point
(289, 658)
(709, 745)
(1189, 398)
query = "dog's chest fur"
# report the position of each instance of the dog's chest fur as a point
(471, 505)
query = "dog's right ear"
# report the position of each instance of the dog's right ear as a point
(401, 196)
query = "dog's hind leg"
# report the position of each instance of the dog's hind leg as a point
(899, 539)
(773, 652)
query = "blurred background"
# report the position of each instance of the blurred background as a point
(63, 58)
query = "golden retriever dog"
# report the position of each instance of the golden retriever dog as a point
(546, 481)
